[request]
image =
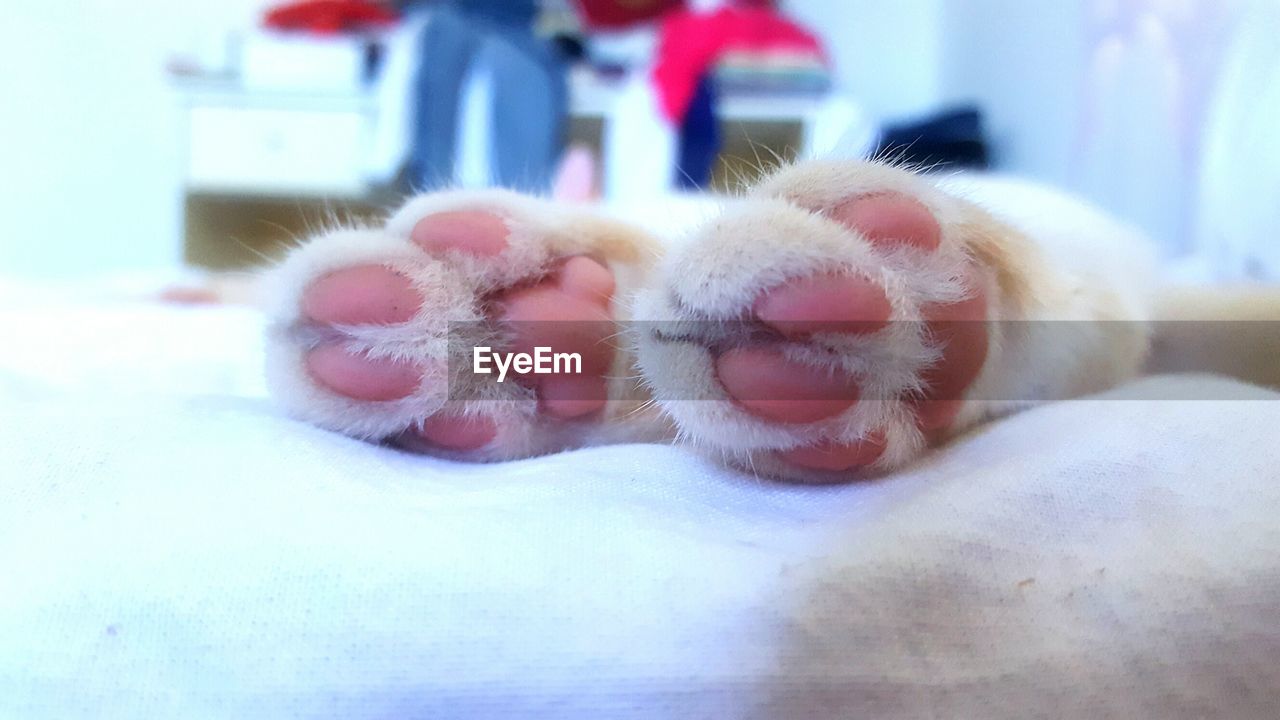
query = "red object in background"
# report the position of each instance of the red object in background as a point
(615, 14)
(329, 17)
(690, 43)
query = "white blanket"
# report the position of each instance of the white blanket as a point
(171, 547)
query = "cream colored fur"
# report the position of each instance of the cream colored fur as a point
(779, 231)
(452, 287)
(1039, 255)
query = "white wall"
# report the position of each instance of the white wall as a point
(87, 131)
(887, 54)
(1023, 63)
(1020, 59)
(87, 120)
(1102, 97)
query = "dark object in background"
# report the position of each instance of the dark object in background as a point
(947, 140)
(699, 138)
(570, 47)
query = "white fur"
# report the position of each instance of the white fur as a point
(452, 286)
(1038, 256)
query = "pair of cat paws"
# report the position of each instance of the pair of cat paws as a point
(827, 325)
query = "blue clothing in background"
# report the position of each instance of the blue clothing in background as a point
(699, 139)
(530, 93)
(513, 12)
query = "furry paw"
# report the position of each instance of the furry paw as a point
(374, 328)
(832, 322)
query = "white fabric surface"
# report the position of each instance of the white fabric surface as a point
(171, 547)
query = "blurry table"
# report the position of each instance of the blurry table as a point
(250, 144)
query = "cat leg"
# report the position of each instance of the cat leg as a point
(1231, 331)
(845, 316)
(374, 330)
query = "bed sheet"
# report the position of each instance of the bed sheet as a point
(171, 546)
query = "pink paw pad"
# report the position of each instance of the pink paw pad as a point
(360, 377)
(824, 303)
(361, 295)
(573, 396)
(766, 384)
(452, 432)
(837, 457)
(891, 218)
(472, 232)
(962, 331)
(569, 313)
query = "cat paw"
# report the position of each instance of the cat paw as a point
(830, 324)
(374, 329)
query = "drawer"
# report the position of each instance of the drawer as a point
(276, 151)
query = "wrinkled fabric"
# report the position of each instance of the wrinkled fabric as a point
(182, 550)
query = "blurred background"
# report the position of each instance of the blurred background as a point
(148, 135)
